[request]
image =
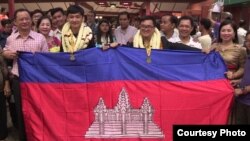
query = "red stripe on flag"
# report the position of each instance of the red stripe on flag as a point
(65, 111)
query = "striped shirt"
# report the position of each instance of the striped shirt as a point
(35, 42)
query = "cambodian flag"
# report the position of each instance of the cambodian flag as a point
(117, 95)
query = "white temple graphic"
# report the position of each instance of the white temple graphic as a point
(123, 121)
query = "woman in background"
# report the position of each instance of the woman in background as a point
(44, 27)
(104, 37)
(233, 54)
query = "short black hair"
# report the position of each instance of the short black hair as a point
(37, 11)
(206, 23)
(173, 19)
(187, 18)
(42, 18)
(233, 25)
(21, 10)
(151, 18)
(73, 9)
(55, 10)
(124, 13)
(4, 22)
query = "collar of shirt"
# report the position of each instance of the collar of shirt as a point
(57, 31)
(123, 31)
(173, 37)
(31, 35)
(190, 43)
(178, 40)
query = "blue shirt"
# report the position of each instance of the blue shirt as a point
(245, 99)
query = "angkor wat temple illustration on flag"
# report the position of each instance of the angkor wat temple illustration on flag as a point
(123, 121)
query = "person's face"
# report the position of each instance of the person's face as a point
(36, 17)
(185, 28)
(247, 41)
(59, 18)
(227, 33)
(123, 21)
(23, 21)
(166, 25)
(104, 27)
(44, 27)
(75, 20)
(147, 29)
(8, 28)
(90, 17)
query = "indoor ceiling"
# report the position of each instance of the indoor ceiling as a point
(107, 8)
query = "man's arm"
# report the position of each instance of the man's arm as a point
(91, 43)
(211, 18)
(8, 53)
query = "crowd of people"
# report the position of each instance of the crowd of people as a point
(71, 31)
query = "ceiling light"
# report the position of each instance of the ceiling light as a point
(112, 5)
(126, 3)
(101, 3)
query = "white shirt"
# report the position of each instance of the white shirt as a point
(57, 33)
(173, 38)
(190, 43)
(241, 35)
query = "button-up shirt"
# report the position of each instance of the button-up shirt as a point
(123, 36)
(190, 43)
(58, 34)
(35, 42)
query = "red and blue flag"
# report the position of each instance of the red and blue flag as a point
(60, 97)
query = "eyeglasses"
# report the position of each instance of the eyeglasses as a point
(146, 26)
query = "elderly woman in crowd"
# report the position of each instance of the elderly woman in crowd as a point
(44, 27)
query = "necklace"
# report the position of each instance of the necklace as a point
(148, 51)
(72, 48)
